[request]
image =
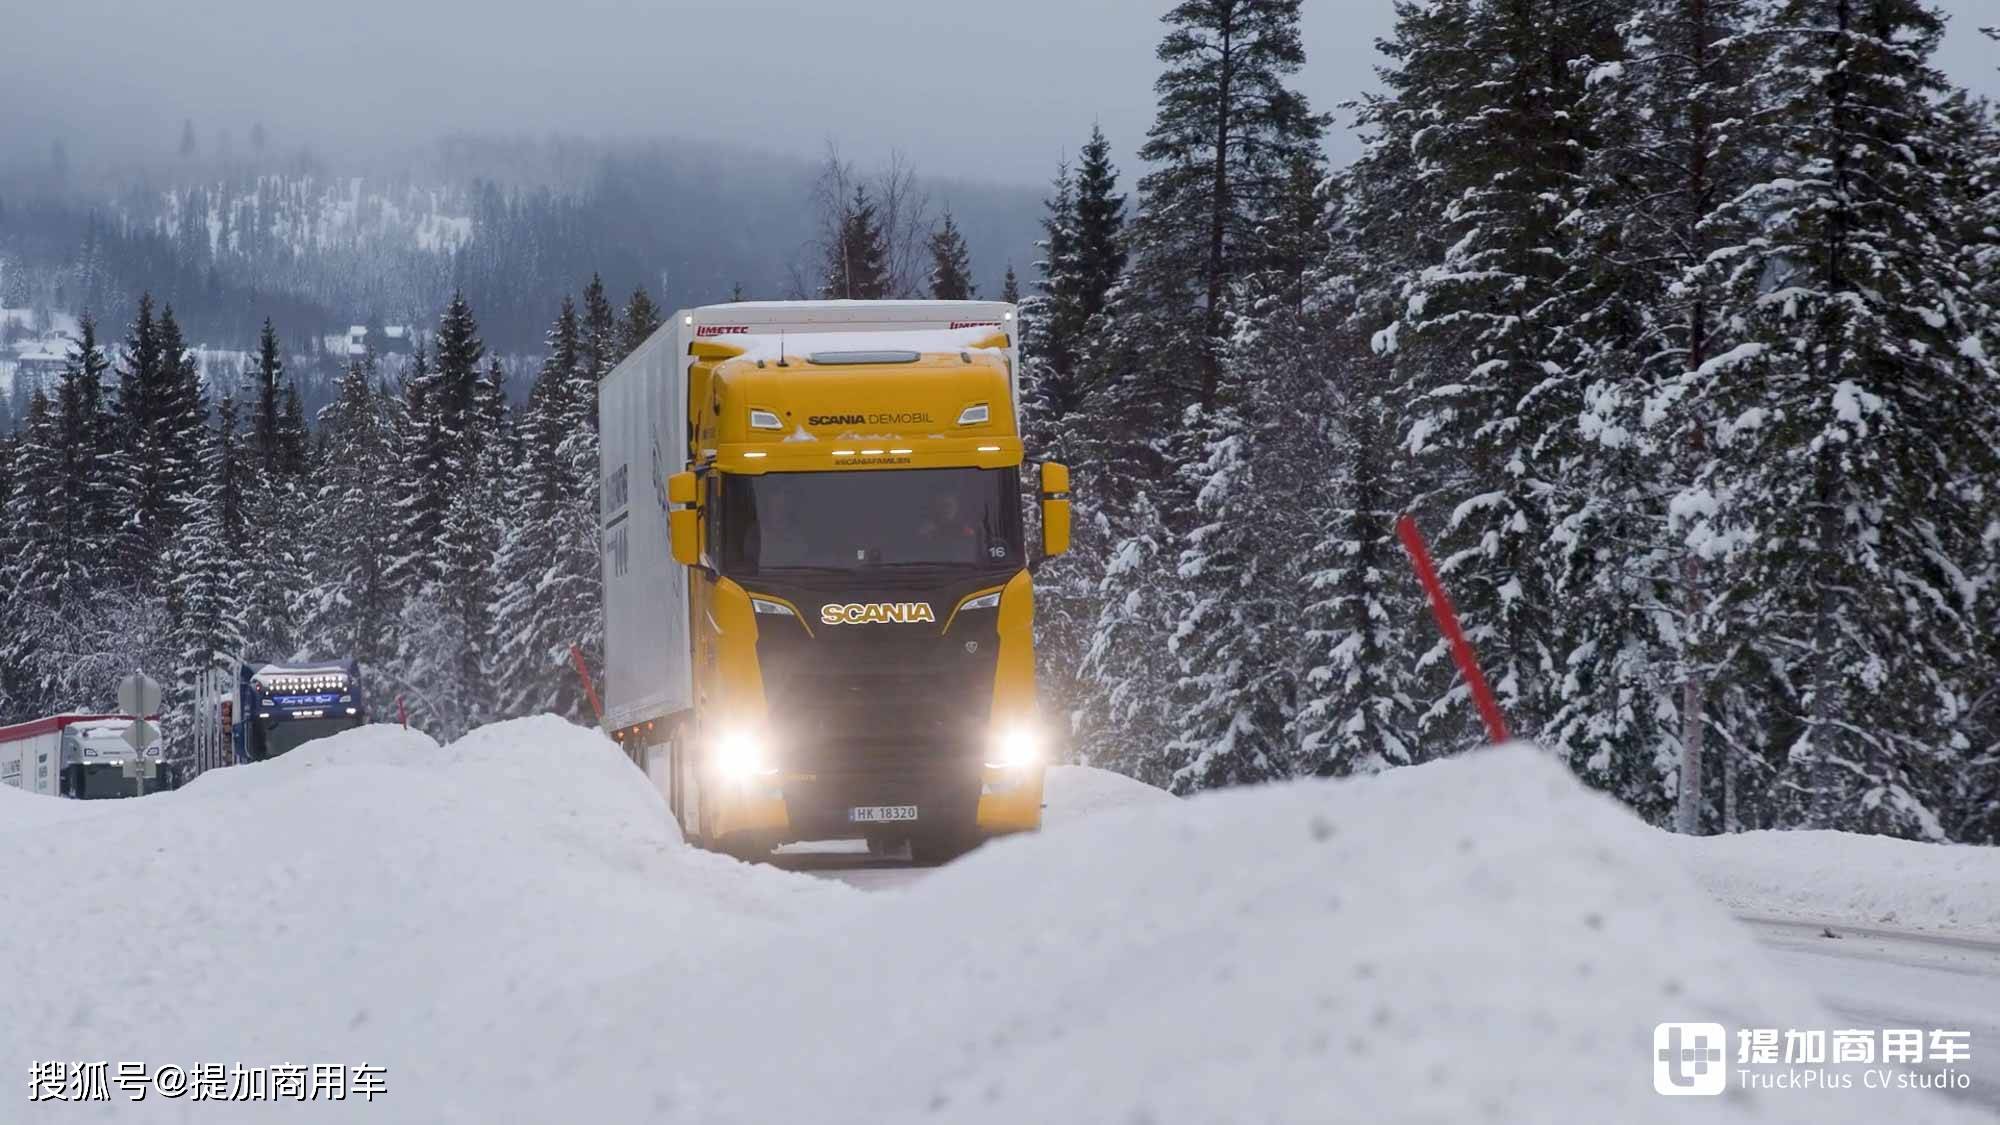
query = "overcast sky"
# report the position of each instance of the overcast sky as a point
(986, 90)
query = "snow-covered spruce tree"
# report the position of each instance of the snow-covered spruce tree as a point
(85, 443)
(1636, 550)
(273, 563)
(9, 446)
(1976, 805)
(1235, 686)
(203, 579)
(1486, 354)
(445, 639)
(140, 500)
(951, 264)
(601, 338)
(352, 605)
(642, 319)
(1360, 624)
(1226, 131)
(550, 595)
(1099, 236)
(856, 265)
(421, 451)
(34, 573)
(1129, 722)
(1048, 321)
(1856, 463)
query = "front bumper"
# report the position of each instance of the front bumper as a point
(785, 807)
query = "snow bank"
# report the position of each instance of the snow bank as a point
(22, 811)
(1479, 939)
(510, 925)
(370, 897)
(1072, 794)
(1844, 877)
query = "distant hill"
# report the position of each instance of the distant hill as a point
(319, 245)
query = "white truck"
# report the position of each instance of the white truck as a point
(81, 756)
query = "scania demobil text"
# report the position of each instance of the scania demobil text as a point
(819, 618)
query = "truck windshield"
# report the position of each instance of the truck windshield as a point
(858, 520)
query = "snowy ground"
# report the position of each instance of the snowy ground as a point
(1843, 877)
(511, 926)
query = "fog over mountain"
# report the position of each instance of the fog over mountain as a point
(974, 90)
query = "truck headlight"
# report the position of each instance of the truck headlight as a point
(1014, 747)
(742, 753)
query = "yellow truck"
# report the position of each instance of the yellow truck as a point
(818, 610)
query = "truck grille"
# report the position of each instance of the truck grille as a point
(888, 698)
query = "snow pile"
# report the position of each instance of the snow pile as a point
(1075, 793)
(1845, 877)
(367, 898)
(511, 926)
(1479, 939)
(21, 811)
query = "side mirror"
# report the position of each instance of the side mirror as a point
(1055, 508)
(684, 519)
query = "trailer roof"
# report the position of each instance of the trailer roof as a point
(50, 724)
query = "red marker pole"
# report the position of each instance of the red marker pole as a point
(589, 690)
(402, 713)
(1447, 619)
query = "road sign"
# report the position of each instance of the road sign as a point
(141, 733)
(139, 695)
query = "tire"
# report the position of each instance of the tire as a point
(687, 794)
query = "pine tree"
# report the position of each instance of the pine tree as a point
(642, 319)
(857, 259)
(602, 341)
(1127, 660)
(1234, 694)
(353, 604)
(1487, 342)
(1010, 286)
(1670, 160)
(1851, 463)
(268, 405)
(1227, 130)
(1099, 228)
(37, 568)
(548, 560)
(86, 443)
(1359, 687)
(451, 526)
(951, 264)
(204, 578)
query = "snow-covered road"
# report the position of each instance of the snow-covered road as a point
(1880, 978)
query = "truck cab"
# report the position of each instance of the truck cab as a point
(847, 517)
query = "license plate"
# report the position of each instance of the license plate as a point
(875, 814)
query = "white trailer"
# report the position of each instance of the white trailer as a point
(79, 755)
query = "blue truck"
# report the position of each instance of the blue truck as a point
(281, 707)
